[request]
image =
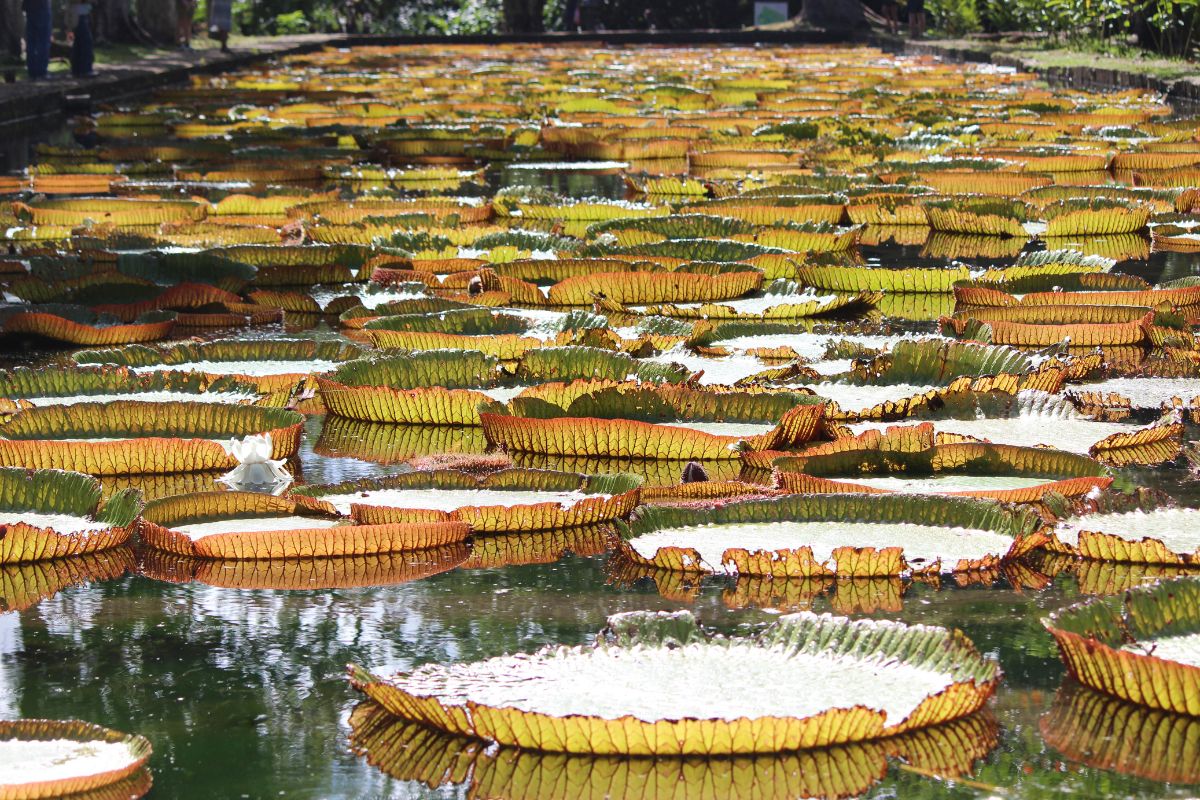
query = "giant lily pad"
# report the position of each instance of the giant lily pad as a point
(647, 698)
(508, 500)
(1158, 536)
(51, 758)
(271, 364)
(126, 437)
(50, 514)
(853, 535)
(437, 387)
(1142, 646)
(244, 525)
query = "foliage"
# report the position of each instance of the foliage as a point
(954, 17)
(1168, 26)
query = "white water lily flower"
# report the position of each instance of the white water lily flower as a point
(256, 470)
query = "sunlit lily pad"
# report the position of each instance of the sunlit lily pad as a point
(646, 697)
(1159, 536)
(508, 500)
(853, 535)
(244, 525)
(51, 758)
(125, 437)
(51, 514)
(1142, 646)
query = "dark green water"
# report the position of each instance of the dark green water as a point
(243, 694)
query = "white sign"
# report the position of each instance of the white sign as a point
(770, 13)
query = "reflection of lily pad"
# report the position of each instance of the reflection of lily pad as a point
(411, 752)
(1102, 731)
(539, 547)
(25, 585)
(341, 572)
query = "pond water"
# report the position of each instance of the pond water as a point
(243, 691)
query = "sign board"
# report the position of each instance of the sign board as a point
(770, 13)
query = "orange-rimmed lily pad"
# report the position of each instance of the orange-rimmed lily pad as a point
(68, 758)
(920, 676)
(83, 327)
(272, 364)
(246, 525)
(1157, 536)
(126, 437)
(1142, 645)
(438, 387)
(816, 535)
(49, 514)
(507, 500)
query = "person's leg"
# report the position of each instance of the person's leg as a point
(37, 41)
(570, 15)
(83, 54)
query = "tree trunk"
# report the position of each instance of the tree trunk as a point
(158, 19)
(114, 21)
(523, 16)
(834, 15)
(12, 29)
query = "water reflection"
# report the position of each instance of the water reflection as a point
(415, 754)
(1105, 732)
(252, 680)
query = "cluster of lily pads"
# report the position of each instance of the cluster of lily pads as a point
(706, 375)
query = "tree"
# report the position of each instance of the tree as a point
(834, 15)
(523, 16)
(12, 23)
(157, 18)
(113, 21)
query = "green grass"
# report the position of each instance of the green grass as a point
(132, 54)
(1049, 53)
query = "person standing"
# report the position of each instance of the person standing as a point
(916, 19)
(83, 50)
(220, 21)
(38, 24)
(185, 11)
(891, 13)
(570, 20)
